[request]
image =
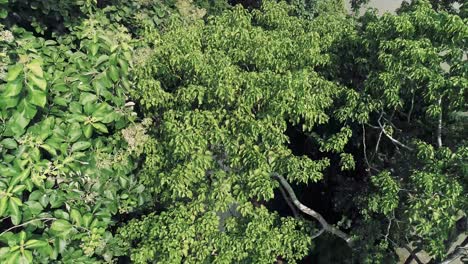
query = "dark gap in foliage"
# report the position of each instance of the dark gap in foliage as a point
(248, 4)
(317, 196)
(19, 16)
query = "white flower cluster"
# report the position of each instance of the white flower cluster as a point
(7, 36)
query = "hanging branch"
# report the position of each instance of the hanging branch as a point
(439, 125)
(288, 201)
(326, 227)
(390, 137)
(45, 219)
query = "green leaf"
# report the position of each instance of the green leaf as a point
(34, 207)
(61, 227)
(3, 205)
(35, 67)
(37, 97)
(34, 243)
(13, 88)
(39, 82)
(74, 132)
(3, 13)
(113, 73)
(27, 257)
(123, 65)
(14, 71)
(13, 258)
(86, 98)
(20, 177)
(94, 47)
(9, 143)
(10, 102)
(16, 124)
(49, 149)
(18, 189)
(80, 145)
(14, 210)
(88, 131)
(76, 217)
(100, 60)
(100, 127)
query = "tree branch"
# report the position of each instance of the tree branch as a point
(326, 227)
(390, 137)
(288, 201)
(45, 219)
(439, 125)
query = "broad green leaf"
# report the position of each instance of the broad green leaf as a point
(13, 258)
(49, 149)
(27, 257)
(9, 143)
(13, 88)
(14, 71)
(76, 217)
(20, 177)
(14, 210)
(94, 47)
(18, 189)
(37, 97)
(100, 127)
(86, 98)
(28, 110)
(34, 207)
(35, 67)
(8, 102)
(74, 132)
(80, 145)
(16, 201)
(100, 60)
(3, 205)
(88, 131)
(39, 82)
(113, 73)
(16, 124)
(3, 13)
(34, 243)
(123, 66)
(61, 227)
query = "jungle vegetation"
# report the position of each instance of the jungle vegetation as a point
(211, 131)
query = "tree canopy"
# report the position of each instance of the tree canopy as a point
(267, 132)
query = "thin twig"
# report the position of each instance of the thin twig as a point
(439, 125)
(411, 109)
(365, 147)
(45, 219)
(377, 145)
(327, 227)
(390, 137)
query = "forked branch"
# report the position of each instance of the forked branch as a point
(327, 227)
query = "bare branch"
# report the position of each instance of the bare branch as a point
(327, 227)
(288, 201)
(390, 137)
(411, 109)
(439, 125)
(45, 219)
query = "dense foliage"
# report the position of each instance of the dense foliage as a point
(152, 131)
